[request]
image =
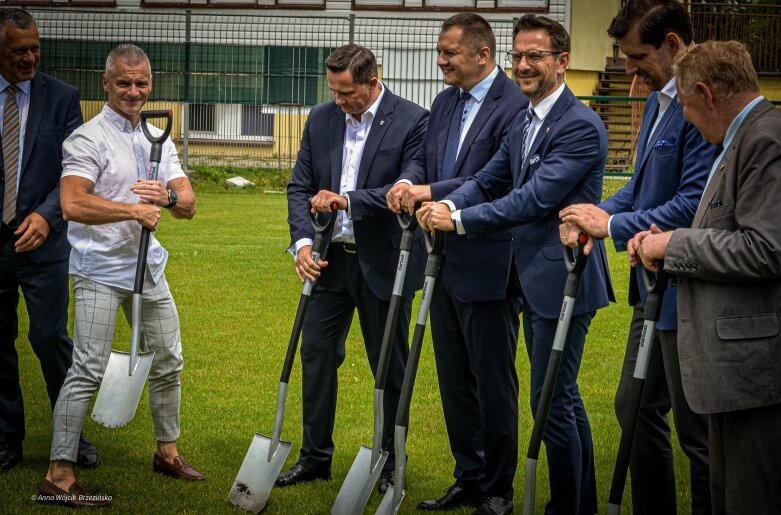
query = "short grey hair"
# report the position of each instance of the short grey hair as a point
(129, 54)
(14, 17)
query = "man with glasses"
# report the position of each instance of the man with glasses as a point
(552, 157)
(474, 315)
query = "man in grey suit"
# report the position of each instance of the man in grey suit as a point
(728, 270)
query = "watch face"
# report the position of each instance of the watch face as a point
(173, 196)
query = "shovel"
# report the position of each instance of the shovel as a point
(366, 468)
(395, 494)
(266, 456)
(653, 307)
(126, 373)
(575, 267)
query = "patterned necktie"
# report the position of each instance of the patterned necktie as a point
(527, 123)
(454, 136)
(10, 153)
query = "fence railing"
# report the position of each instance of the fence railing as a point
(756, 26)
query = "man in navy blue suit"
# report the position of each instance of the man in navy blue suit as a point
(38, 113)
(553, 156)
(475, 308)
(352, 149)
(670, 173)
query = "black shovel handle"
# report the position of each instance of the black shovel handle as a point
(320, 245)
(575, 265)
(656, 284)
(157, 142)
(408, 224)
(154, 160)
(434, 244)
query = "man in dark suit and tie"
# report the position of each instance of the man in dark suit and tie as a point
(728, 270)
(475, 308)
(552, 157)
(670, 172)
(352, 148)
(38, 113)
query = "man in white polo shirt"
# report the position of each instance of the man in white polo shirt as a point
(107, 198)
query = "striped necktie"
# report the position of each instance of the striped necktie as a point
(527, 123)
(10, 138)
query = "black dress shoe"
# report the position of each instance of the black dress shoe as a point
(10, 456)
(300, 474)
(387, 478)
(87, 458)
(454, 497)
(494, 504)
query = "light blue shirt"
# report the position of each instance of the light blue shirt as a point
(730, 135)
(472, 105)
(23, 102)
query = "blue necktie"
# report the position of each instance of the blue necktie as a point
(454, 136)
(527, 123)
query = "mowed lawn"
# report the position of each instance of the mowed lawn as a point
(237, 294)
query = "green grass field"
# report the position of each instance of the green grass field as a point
(237, 293)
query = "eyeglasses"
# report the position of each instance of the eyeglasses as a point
(532, 56)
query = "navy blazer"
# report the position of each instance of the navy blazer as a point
(395, 135)
(476, 269)
(54, 113)
(564, 166)
(670, 173)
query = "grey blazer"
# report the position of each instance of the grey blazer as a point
(729, 276)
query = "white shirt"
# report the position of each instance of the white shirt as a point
(472, 106)
(356, 132)
(23, 103)
(112, 155)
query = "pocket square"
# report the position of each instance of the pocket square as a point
(663, 143)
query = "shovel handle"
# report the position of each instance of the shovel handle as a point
(655, 282)
(575, 265)
(157, 142)
(407, 221)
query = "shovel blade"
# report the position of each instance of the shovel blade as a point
(119, 392)
(389, 506)
(359, 483)
(257, 474)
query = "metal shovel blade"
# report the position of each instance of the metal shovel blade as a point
(359, 483)
(389, 505)
(258, 473)
(120, 392)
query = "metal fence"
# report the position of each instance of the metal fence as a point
(242, 85)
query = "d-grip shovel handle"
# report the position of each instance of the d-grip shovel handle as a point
(656, 284)
(319, 250)
(408, 224)
(157, 143)
(575, 266)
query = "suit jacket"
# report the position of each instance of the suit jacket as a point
(475, 269)
(53, 114)
(395, 135)
(670, 174)
(564, 166)
(728, 266)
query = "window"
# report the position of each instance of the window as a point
(254, 122)
(202, 117)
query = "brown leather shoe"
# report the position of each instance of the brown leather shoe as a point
(179, 470)
(75, 497)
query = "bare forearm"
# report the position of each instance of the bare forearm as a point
(185, 205)
(90, 209)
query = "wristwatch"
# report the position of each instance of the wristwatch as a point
(173, 198)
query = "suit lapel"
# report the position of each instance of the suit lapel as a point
(559, 108)
(645, 129)
(336, 137)
(34, 114)
(659, 129)
(452, 102)
(710, 190)
(378, 130)
(490, 102)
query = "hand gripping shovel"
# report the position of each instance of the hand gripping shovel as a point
(123, 382)
(266, 456)
(575, 267)
(653, 307)
(366, 468)
(395, 494)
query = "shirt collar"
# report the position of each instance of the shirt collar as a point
(480, 90)
(545, 105)
(372, 110)
(735, 125)
(666, 94)
(24, 85)
(119, 121)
